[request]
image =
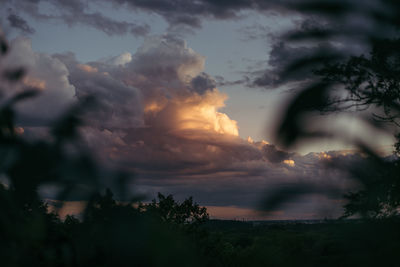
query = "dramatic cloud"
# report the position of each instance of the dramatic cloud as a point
(159, 116)
(174, 104)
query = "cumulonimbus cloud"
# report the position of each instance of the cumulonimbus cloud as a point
(159, 115)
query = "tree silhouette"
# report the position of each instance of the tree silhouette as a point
(168, 210)
(368, 82)
(363, 84)
(371, 83)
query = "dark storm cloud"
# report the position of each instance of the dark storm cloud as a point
(308, 185)
(324, 32)
(73, 13)
(192, 12)
(281, 58)
(275, 155)
(175, 12)
(19, 23)
(107, 25)
(221, 81)
(296, 53)
(202, 83)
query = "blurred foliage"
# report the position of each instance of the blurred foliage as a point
(379, 196)
(348, 81)
(370, 83)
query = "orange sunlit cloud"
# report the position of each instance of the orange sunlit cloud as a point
(87, 68)
(34, 82)
(201, 113)
(289, 162)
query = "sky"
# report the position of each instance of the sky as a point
(189, 97)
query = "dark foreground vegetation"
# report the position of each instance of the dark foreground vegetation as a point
(331, 243)
(157, 235)
(166, 233)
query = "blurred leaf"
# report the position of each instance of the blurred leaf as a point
(311, 99)
(14, 75)
(311, 34)
(313, 61)
(3, 46)
(24, 95)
